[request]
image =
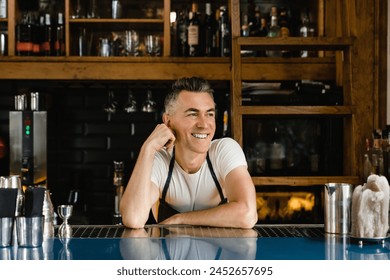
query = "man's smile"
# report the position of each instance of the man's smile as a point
(200, 135)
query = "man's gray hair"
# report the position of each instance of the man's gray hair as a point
(192, 84)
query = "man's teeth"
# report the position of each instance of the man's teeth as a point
(200, 136)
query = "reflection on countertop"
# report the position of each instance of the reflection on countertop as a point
(263, 242)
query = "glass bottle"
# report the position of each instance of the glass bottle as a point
(274, 32)
(284, 25)
(59, 37)
(24, 40)
(47, 37)
(209, 32)
(377, 154)
(225, 31)
(194, 32)
(245, 26)
(182, 25)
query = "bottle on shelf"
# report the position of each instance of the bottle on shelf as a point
(284, 25)
(255, 23)
(377, 154)
(46, 43)
(245, 26)
(209, 32)
(225, 31)
(217, 35)
(274, 32)
(386, 152)
(24, 36)
(194, 32)
(182, 30)
(307, 30)
(59, 37)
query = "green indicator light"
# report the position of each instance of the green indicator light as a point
(28, 127)
(28, 132)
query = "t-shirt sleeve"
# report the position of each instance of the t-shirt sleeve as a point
(159, 169)
(228, 155)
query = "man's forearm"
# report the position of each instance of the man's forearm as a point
(233, 214)
(137, 199)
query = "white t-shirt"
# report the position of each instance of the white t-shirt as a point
(189, 192)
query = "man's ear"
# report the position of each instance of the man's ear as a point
(165, 118)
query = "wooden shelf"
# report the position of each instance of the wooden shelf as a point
(313, 43)
(296, 110)
(306, 181)
(112, 68)
(109, 20)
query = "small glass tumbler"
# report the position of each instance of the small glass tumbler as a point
(152, 45)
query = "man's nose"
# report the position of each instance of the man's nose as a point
(202, 121)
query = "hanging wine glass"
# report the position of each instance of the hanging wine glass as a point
(111, 105)
(131, 105)
(149, 105)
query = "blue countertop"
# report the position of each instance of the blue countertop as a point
(202, 243)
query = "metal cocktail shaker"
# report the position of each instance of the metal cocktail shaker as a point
(338, 200)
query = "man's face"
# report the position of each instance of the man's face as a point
(193, 121)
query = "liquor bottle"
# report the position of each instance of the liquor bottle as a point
(386, 152)
(284, 29)
(255, 24)
(194, 30)
(274, 32)
(307, 30)
(209, 32)
(262, 32)
(217, 35)
(377, 154)
(173, 30)
(46, 43)
(367, 167)
(59, 37)
(225, 31)
(24, 41)
(37, 34)
(182, 25)
(245, 32)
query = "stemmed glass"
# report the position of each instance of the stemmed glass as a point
(131, 105)
(111, 105)
(149, 105)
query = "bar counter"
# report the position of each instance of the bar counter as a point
(263, 242)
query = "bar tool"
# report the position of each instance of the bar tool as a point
(65, 212)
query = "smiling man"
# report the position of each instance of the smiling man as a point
(183, 175)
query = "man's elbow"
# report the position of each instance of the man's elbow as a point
(248, 219)
(132, 222)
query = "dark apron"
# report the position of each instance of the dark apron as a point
(165, 210)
